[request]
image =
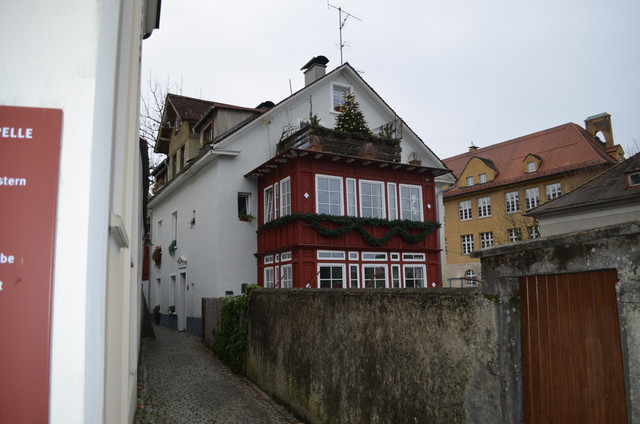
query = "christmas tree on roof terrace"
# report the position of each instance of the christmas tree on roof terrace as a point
(351, 118)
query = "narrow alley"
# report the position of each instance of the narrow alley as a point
(181, 381)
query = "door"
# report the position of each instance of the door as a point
(181, 302)
(571, 352)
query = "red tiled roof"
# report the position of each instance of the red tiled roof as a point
(563, 148)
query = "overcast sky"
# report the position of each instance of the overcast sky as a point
(457, 71)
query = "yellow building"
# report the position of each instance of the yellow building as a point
(497, 184)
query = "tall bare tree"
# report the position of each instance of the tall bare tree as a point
(151, 107)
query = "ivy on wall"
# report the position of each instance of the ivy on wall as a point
(346, 224)
(230, 340)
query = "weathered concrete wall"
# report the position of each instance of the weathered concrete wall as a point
(615, 247)
(377, 356)
(210, 318)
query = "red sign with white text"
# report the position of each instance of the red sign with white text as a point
(29, 164)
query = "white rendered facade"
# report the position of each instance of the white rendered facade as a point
(83, 57)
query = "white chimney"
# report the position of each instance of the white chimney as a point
(314, 69)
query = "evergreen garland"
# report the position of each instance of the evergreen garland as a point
(346, 224)
(351, 119)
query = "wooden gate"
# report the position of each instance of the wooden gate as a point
(571, 353)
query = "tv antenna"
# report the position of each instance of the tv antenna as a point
(341, 23)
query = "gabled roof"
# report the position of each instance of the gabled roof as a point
(610, 187)
(563, 148)
(192, 110)
(346, 68)
(188, 108)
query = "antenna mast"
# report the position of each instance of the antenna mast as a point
(341, 23)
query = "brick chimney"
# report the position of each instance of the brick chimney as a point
(600, 123)
(314, 69)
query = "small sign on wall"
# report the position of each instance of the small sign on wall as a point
(29, 166)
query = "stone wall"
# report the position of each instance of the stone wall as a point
(614, 247)
(210, 318)
(377, 356)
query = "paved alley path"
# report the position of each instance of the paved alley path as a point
(184, 382)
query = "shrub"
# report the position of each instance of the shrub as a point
(230, 341)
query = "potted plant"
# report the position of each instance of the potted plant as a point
(157, 256)
(246, 217)
(171, 310)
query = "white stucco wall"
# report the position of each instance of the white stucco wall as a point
(587, 219)
(83, 57)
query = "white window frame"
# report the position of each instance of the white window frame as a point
(286, 277)
(633, 179)
(469, 181)
(267, 259)
(482, 178)
(392, 201)
(484, 207)
(468, 244)
(532, 197)
(330, 255)
(269, 277)
(383, 202)
(396, 281)
(414, 266)
(515, 235)
(334, 102)
(247, 200)
(285, 256)
(331, 265)
(276, 201)
(486, 239)
(465, 212)
(553, 191)
(354, 256)
(410, 257)
(410, 187)
(534, 232)
(375, 268)
(268, 204)
(330, 177)
(352, 197)
(354, 282)
(374, 256)
(512, 202)
(285, 196)
(395, 256)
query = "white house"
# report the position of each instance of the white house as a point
(204, 207)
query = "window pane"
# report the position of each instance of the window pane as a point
(286, 196)
(330, 277)
(414, 276)
(411, 203)
(351, 197)
(371, 199)
(375, 276)
(268, 204)
(393, 214)
(329, 195)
